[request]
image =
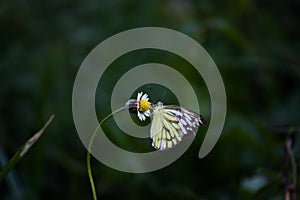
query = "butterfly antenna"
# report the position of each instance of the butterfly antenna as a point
(164, 95)
(154, 93)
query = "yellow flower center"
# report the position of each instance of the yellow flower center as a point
(144, 105)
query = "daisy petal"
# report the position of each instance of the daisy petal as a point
(145, 97)
(139, 96)
(147, 113)
(141, 116)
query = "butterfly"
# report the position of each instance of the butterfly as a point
(169, 122)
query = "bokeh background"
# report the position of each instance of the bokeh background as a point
(255, 45)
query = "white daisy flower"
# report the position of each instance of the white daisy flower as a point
(140, 106)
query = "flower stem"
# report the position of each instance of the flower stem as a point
(88, 158)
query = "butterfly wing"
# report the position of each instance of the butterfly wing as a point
(171, 123)
(190, 121)
(165, 131)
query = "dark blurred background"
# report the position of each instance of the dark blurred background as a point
(255, 45)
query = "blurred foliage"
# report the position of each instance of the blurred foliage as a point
(255, 45)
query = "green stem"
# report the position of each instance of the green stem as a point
(88, 158)
(293, 163)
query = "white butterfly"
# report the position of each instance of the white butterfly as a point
(169, 122)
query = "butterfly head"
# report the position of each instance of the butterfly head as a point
(140, 106)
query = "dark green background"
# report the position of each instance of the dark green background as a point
(255, 45)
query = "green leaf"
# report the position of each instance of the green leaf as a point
(23, 149)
